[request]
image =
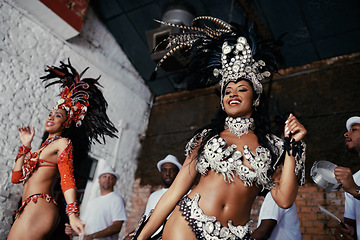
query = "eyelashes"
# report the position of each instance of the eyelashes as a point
(240, 90)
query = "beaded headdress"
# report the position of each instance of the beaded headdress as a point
(229, 50)
(82, 100)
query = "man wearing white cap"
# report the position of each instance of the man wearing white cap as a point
(168, 168)
(104, 215)
(351, 184)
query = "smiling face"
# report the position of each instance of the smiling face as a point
(238, 99)
(352, 139)
(55, 122)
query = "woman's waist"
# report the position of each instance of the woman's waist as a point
(237, 213)
(213, 183)
(37, 188)
(224, 206)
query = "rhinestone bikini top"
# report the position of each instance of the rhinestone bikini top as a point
(228, 161)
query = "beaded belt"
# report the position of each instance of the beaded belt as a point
(34, 198)
(207, 227)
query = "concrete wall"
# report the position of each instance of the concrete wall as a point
(26, 46)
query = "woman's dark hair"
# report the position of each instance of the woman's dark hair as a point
(261, 120)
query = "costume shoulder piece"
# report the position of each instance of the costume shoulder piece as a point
(278, 147)
(194, 141)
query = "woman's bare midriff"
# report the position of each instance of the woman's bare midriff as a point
(42, 179)
(226, 201)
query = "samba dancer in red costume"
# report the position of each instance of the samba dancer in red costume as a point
(78, 118)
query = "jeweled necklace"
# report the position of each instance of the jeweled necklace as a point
(239, 125)
(49, 140)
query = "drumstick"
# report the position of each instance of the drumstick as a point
(332, 215)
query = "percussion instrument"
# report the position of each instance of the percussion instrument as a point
(322, 173)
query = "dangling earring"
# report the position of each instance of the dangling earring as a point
(256, 103)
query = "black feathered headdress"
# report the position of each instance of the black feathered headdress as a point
(82, 100)
(230, 50)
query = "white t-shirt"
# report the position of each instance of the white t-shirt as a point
(153, 200)
(287, 227)
(352, 205)
(102, 211)
(151, 204)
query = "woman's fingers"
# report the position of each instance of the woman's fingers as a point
(293, 126)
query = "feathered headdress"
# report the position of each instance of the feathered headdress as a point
(82, 100)
(230, 50)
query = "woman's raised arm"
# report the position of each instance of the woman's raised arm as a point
(167, 202)
(285, 193)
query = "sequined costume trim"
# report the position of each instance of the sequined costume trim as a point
(64, 164)
(207, 227)
(239, 125)
(66, 168)
(194, 142)
(34, 198)
(228, 161)
(31, 160)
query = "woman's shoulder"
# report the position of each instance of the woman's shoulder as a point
(195, 141)
(64, 140)
(62, 143)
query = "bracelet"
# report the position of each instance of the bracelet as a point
(287, 145)
(72, 208)
(296, 147)
(22, 151)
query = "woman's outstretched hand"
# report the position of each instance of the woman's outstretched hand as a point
(76, 224)
(293, 126)
(26, 135)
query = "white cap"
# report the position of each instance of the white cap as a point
(109, 169)
(169, 159)
(351, 121)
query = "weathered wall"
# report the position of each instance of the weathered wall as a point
(322, 94)
(26, 46)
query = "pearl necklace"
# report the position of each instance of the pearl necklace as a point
(239, 125)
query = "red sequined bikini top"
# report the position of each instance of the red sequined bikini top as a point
(64, 163)
(31, 161)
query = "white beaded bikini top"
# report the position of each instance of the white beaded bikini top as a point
(228, 161)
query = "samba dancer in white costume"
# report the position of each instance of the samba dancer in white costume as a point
(236, 155)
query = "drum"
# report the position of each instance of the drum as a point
(322, 173)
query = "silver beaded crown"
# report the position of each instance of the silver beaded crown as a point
(238, 63)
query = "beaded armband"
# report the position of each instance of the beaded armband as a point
(72, 208)
(22, 151)
(298, 149)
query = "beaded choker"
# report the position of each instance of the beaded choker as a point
(49, 140)
(239, 125)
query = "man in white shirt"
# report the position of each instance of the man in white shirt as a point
(168, 168)
(351, 185)
(276, 223)
(104, 215)
(283, 224)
